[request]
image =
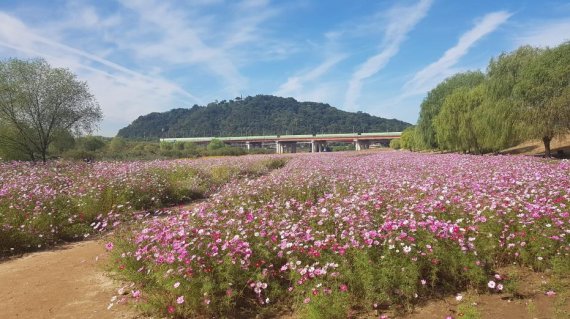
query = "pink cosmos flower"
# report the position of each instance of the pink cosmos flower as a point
(136, 294)
(109, 246)
(550, 293)
(491, 284)
(180, 300)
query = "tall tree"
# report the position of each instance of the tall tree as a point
(499, 119)
(544, 93)
(455, 124)
(433, 102)
(37, 102)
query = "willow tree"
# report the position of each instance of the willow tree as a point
(500, 119)
(408, 140)
(432, 104)
(544, 93)
(455, 125)
(38, 102)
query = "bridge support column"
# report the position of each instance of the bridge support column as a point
(317, 146)
(361, 145)
(280, 147)
(293, 147)
(248, 145)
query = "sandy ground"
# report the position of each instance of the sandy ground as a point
(67, 282)
(536, 147)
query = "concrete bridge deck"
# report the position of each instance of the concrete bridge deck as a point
(289, 142)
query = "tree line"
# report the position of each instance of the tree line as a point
(524, 94)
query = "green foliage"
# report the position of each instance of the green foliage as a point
(455, 124)
(544, 93)
(258, 115)
(91, 143)
(395, 144)
(39, 103)
(63, 141)
(432, 104)
(216, 144)
(166, 146)
(12, 152)
(117, 144)
(409, 139)
(525, 94)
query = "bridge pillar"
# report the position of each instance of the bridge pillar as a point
(317, 146)
(248, 145)
(293, 147)
(361, 145)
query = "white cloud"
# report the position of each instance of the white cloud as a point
(173, 40)
(548, 34)
(123, 93)
(401, 20)
(296, 84)
(150, 38)
(440, 69)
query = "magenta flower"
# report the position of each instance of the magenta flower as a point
(171, 309)
(136, 294)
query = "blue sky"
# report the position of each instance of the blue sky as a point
(380, 57)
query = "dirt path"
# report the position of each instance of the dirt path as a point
(67, 282)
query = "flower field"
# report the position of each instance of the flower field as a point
(331, 235)
(42, 205)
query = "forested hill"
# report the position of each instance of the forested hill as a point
(258, 115)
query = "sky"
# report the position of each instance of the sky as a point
(379, 57)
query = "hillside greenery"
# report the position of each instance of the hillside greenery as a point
(257, 115)
(524, 94)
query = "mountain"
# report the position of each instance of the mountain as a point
(257, 115)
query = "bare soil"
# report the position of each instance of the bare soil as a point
(67, 282)
(560, 147)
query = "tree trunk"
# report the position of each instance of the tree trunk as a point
(546, 140)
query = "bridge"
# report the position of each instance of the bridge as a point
(288, 143)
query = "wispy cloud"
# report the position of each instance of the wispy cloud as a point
(128, 54)
(401, 20)
(171, 39)
(295, 84)
(122, 92)
(546, 34)
(443, 67)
